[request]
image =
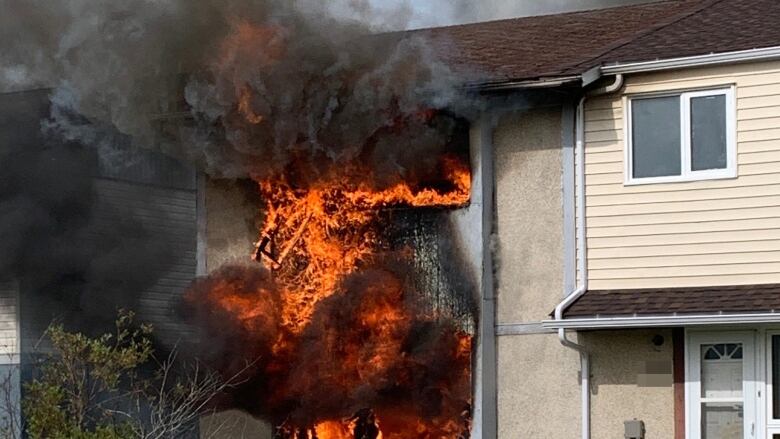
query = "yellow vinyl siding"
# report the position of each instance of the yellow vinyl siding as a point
(712, 232)
(712, 248)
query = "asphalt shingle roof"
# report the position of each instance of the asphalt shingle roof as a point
(569, 44)
(655, 302)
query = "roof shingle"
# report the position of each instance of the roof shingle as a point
(568, 44)
(655, 302)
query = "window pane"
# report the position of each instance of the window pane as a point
(776, 376)
(721, 374)
(655, 128)
(708, 133)
(721, 421)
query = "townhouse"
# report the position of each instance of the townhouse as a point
(629, 169)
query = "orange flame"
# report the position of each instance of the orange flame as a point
(315, 237)
(326, 232)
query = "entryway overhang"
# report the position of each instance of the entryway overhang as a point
(662, 321)
(672, 307)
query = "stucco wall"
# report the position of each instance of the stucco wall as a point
(538, 388)
(232, 222)
(529, 215)
(538, 379)
(539, 392)
(631, 378)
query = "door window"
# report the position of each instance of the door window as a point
(722, 395)
(721, 400)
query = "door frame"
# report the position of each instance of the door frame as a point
(770, 425)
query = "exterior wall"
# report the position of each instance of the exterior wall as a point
(469, 230)
(168, 213)
(9, 322)
(536, 376)
(231, 229)
(631, 379)
(539, 393)
(716, 232)
(538, 390)
(529, 215)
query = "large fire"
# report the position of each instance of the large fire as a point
(323, 233)
(345, 347)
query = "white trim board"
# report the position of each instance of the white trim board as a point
(738, 56)
(662, 321)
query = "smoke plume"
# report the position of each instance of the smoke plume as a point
(265, 81)
(241, 88)
(54, 243)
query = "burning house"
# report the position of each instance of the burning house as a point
(342, 281)
(374, 227)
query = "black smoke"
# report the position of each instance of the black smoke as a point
(53, 245)
(318, 88)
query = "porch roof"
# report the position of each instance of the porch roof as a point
(732, 304)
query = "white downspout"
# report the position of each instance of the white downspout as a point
(582, 252)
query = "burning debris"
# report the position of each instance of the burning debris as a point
(347, 347)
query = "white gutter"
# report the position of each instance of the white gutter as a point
(529, 84)
(582, 251)
(764, 54)
(661, 321)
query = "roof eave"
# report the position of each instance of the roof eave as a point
(662, 321)
(514, 85)
(711, 59)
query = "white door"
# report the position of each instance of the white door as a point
(721, 400)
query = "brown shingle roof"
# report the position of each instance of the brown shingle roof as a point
(653, 302)
(723, 26)
(569, 44)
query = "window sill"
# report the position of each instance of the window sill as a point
(681, 178)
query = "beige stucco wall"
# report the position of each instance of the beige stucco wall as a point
(700, 233)
(631, 378)
(232, 215)
(537, 378)
(539, 392)
(529, 215)
(538, 388)
(232, 222)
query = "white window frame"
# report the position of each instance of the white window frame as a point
(693, 379)
(686, 174)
